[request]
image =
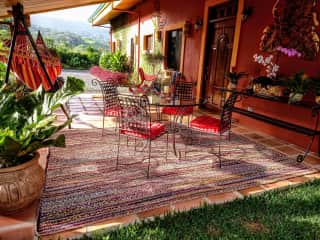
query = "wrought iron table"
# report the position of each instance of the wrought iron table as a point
(174, 127)
(310, 132)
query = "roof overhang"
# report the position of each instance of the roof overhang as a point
(39, 6)
(108, 11)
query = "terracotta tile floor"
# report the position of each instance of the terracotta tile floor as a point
(89, 109)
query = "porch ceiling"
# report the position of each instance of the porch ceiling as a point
(38, 6)
(111, 10)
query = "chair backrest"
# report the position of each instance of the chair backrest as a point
(226, 114)
(184, 90)
(109, 92)
(146, 79)
(135, 117)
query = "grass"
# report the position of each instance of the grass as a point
(293, 213)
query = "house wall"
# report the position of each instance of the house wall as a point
(251, 33)
(175, 12)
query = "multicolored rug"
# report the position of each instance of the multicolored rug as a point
(83, 187)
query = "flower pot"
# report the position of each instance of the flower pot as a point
(20, 185)
(295, 97)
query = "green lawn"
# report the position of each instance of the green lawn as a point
(285, 214)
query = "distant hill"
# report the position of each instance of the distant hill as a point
(74, 33)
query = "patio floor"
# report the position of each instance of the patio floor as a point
(89, 109)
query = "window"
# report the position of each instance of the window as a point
(118, 45)
(174, 44)
(148, 43)
(132, 50)
(113, 47)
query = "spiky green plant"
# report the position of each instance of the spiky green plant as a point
(27, 122)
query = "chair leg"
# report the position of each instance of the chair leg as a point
(167, 147)
(102, 125)
(229, 135)
(219, 154)
(117, 124)
(148, 174)
(135, 145)
(117, 163)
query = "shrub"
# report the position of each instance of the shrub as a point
(2, 73)
(117, 62)
(78, 60)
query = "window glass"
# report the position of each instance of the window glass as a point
(174, 49)
(148, 43)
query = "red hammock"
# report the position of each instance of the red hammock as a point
(25, 64)
(29, 68)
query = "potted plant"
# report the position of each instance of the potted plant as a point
(28, 124)
(233, 78)
(315, 84)
(298, 84)
(154, 59)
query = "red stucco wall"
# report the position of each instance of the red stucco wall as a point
(249, 45)
(177, 12)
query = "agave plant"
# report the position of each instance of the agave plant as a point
(27, 122)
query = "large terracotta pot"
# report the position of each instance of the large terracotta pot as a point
(20, 185)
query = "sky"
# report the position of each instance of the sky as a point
(80, 14)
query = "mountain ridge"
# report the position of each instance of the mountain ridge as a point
(55, 28)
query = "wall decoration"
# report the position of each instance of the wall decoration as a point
(294, 30)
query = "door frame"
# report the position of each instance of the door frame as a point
(209, 4)
(172, 27)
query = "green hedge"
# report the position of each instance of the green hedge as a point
(117, 62)
(78, 60)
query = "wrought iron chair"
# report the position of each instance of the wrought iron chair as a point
(111, 106)
(182, 91)
(215, 126)
(135, 121)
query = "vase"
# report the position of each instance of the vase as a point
(20, 185)
(295, 97)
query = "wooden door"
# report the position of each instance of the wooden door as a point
(219, 50)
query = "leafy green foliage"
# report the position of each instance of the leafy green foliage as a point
(315, 85)
(27, 122)
(298, 82)
(2, 73)
(283, 214)
(80, 59)
(117, 62)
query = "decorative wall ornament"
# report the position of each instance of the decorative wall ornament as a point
(159, 19)
(293, 32)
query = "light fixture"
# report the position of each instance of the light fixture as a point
(198, 24)
(187, 28)
(247, 11)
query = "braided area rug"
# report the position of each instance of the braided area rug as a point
(83, 187)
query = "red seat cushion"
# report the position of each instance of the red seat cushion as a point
(112, 111)
(207, 124)
(155, 131)
(177, 110)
